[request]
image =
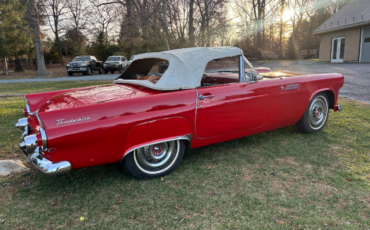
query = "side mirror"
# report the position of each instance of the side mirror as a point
(252, 77)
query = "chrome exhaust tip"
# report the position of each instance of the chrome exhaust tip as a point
(338, 108)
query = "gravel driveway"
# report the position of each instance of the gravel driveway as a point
(356, 75)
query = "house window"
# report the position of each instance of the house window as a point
(367, 40)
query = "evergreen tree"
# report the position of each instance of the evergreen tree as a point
(13, 30)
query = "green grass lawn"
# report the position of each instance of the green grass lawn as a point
(280, 179)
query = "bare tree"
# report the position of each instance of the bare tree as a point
(191, 23)
(77, 9)
(102, 17)
(56, 10)
(164, 23)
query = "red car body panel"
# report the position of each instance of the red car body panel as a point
(107, 122)
(262, 69)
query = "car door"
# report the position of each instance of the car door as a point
(230, 108)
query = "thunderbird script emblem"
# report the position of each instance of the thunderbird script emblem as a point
(62, 121)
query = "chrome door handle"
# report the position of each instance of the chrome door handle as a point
(201, 97)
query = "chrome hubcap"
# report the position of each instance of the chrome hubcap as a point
(156, 156)
(318, 112)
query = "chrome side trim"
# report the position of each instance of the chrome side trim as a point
(38, 118)
(28, 108)
(22, 124)
(44, 139)
(48, 167)
(241, 69)
(188, 137)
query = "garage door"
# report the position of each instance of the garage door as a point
(365, 52)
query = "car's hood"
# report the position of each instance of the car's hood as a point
(277, 74)
(72, 63)
(94, 95)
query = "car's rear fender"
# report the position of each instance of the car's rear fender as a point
(36, 100)
(156, 131)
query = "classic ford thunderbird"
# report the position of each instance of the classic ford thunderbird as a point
(147, 118)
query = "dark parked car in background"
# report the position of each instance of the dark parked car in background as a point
(84, 64)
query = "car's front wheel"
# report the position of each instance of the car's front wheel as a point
(120, 69)
(100, 70)
(315, 116)
(70, 74)
(154, 160)
(88, 72)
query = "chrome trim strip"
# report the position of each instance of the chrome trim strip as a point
(28, 108)
(44, 139)
(188, 137)
(241, 69)
(48, 167)
(38, 118)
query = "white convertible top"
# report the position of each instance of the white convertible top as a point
(186, 66)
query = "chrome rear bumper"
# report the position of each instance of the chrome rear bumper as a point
(48, 167)
(34, 155)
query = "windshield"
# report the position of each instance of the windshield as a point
(113, 58)
(132, 57)
(81, 59)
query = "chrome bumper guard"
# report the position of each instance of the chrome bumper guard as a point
(338, 108)
(29, 147)
(48, 167)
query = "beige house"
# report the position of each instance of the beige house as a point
(345, 36)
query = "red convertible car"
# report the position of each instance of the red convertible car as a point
(147, 118)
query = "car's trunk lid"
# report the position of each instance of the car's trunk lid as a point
(95, 95)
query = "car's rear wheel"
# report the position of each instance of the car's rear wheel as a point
(315, 116)
(104, 71)
(100, 70)
(154, 160)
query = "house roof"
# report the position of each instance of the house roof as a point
(355, 13)
(185, 70)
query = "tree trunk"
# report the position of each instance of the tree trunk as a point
(130, 26)
(5, 67)
(191, 23)
(165, 25)
(29, 61)
(41, 68)
(59, 48)
(207, 17)
(18, 65)
(281, 27)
